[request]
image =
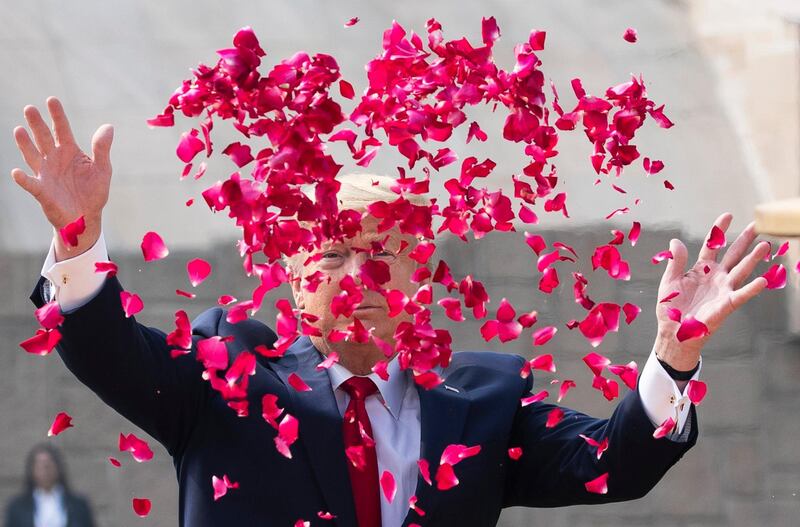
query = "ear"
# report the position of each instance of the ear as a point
(297, 290)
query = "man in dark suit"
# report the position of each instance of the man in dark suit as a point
(361, 428)
(47, 500)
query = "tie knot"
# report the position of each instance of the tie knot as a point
(359, 387)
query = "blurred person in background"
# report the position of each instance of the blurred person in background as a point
(47, 500)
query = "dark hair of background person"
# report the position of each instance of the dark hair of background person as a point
(55, 455)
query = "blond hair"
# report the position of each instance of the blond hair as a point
(357, 192)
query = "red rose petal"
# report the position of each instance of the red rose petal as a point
(630, 35)
(353, 21)
(61, 422)
(543, 335)
(515, 453)
(554, 417)
(106, 267)
(141, 506)
(42, 343)
(49, 315)
(665, 429)
(566, 385)
(716, 239)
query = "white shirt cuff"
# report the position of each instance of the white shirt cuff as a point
(74, 282)
(661, 397)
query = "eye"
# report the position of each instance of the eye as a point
(331, 256)
(384, 255)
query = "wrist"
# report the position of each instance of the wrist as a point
(86, 239)
(669, 351)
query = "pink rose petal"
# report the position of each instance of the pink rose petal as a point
(138, 448)
(221, 485)
(776, 276)
(70, 232)
(566, 385)
(49, 315)
(696, 391)
(297, 383)
(198, 270)
(630, 35)
(106, 267)
(353, 21)
(543, 335)
(388, 486)
(544, 363)
(153, 247)
(665, 429)
(515, 453)
(598, 485)
(691, 328)
(131, 303)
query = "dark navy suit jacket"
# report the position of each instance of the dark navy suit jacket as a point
(129, 366)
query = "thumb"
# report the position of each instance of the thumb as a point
(101, 146)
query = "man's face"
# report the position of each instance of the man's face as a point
(335, 261)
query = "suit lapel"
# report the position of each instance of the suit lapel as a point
(320, 427)
(443, 412)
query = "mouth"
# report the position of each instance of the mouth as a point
(363, 308)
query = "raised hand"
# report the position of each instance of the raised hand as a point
(709, 291)
(65, 181)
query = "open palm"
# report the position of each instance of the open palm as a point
(65, 181)
(709, 291)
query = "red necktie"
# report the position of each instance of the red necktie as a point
(360, 449)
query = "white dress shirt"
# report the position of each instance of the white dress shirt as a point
(49, 509)
(395, 415)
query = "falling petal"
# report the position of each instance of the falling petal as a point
(630, 35)
(665, 429)
(696, 391)
(153, 247)
(131, 303)
(141, 506)
(198, 270)
(138, 448)
(554, 417)
(598, 485)
(353, 21)
(776, 276)
(388, 486)
(716, 239)
(70, 232)
(61, 422)
(691, 328)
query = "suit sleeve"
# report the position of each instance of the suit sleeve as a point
(128, 365)
(556, 462)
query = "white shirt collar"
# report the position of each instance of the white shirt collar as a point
(55, 493)
(392, 391)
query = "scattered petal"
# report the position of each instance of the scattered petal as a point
(598, 485)
(153, 247)
(61, 422)
(141, 506)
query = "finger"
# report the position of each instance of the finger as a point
(30, 153)
(742, 295)
(30, 184)
(743, 269)
(739, 247)
(722, 222)
(101, 146)
(676, 264)
(61, 127)
(41, 132)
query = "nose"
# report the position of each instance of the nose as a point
(354, 263)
